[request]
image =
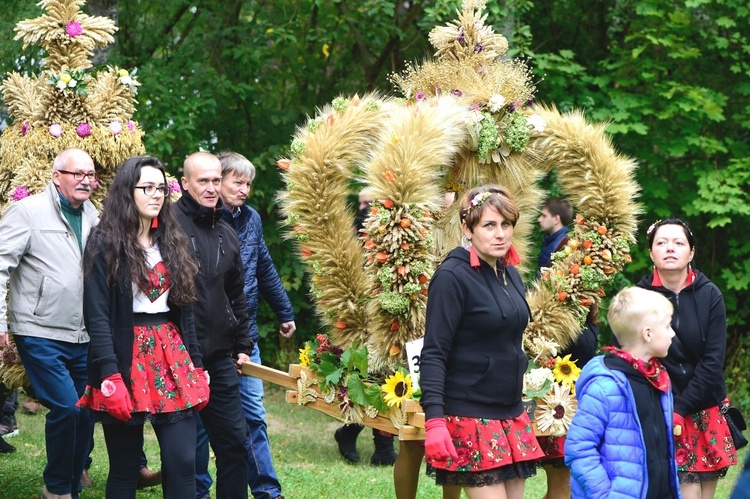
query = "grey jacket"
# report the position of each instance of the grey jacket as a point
(40, 257)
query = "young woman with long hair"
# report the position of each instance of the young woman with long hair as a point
(144, 362)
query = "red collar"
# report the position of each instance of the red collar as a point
(656, 281)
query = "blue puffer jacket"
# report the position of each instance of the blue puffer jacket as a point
(260, 274)
(604, 447)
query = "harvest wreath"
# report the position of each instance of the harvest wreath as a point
(467, 118)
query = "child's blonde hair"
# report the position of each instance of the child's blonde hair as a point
(634, 308)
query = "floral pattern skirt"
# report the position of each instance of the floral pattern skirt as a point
(162, 381)
(705, 449)
(489, 451)
(554, 451)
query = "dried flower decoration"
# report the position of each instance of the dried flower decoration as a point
(83, 130)
(174, 186)
(115, 127)
(25, 128)
(73, 29)
(19, 193)
(651, 228)
(55, 130)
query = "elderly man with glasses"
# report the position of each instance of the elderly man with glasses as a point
(42, 238)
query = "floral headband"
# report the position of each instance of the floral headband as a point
(652, 227)
(478, 200)
(668, 221)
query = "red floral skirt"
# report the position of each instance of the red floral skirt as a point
(705, 445)
(553, 447)
(162, 376)
(485, 444)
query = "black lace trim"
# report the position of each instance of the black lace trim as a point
(523, 469)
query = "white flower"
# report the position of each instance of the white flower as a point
(537, 123)
(126, 80)
(72, 83)
(496, 103)
(556, 412)
(535, 379)
(62, 85)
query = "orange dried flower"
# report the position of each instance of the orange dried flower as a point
(562, 295)
(601, 230)
(284, 163)
(405, 223)
(381, 257)
(389, 176)
(341, 325)
(388, 203)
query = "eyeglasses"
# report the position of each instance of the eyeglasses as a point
(150, 190)
(93, 176)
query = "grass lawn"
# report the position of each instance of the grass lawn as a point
(304, 452)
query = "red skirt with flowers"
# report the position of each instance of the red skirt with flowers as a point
(486, 444)
(705, 449)
(553, 448)
(162, 376)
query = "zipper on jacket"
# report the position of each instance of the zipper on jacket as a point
(219, 252)
(41, 295)
(195, 250)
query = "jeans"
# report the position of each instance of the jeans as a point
(742, 486)
(57, 371)
(261, 474)
(226, 429)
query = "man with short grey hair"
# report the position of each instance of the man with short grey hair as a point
(42, 238)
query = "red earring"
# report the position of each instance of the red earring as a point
(511, 257)
(154, 223)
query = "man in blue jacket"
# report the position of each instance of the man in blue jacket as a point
(238, 174)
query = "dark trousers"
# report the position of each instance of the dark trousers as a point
(226, 428)
(125, 447)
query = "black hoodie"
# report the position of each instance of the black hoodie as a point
(221, 316)
(695, 361)
(472, 362)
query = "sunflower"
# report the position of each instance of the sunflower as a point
(397, 388)
(556, 411)
(566, 371)
(304, 356)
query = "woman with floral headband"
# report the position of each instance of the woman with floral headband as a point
(478, 437)
(704, 446)
(144, 362)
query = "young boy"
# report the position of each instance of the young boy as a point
(620, 440)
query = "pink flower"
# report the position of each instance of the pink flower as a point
(94, 185)
(83, 130)
(73, 29)
(19, 193)
(115, 127)
(55, 130)
(25, 128)
(681, 456)
(420, 96)
(174, 186)
(131, 125)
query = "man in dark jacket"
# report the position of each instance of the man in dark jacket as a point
(221, 317)
(260, 278)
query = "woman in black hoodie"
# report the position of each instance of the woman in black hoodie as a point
(472, 364)
(704, 447)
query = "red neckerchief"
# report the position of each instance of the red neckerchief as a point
(653, 371)
(656, 281)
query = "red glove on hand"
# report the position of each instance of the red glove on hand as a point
(116, 397)
(438, 445)
(679, 424)
(203, 381)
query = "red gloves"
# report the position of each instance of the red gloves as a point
(679, 424)
(438, 445)
(203, 381)
(116, 397)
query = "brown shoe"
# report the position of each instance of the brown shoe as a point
(148, 478)
(30, 406)
(85, 479)
(46, 494)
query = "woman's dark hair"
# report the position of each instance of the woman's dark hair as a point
(651, 232)
(473, 203)
(117, 235)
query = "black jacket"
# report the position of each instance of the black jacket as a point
(108, 314)
(695, 361)
(221, 316)
(472, 362)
